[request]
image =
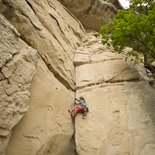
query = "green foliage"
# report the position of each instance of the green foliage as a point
(134, 27)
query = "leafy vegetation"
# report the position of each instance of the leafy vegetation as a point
(134, 27)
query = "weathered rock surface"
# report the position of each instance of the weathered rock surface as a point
(99, 65)
(46, 128)
(121, 120)
(92, 13)
(121, 107)
(108, 71)
(17, 68)
(48, 27)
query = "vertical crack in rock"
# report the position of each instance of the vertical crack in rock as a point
(73, 138)
(59, 77)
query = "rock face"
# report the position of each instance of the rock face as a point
(46, 127)
(92, 13)
(17, 64)
(121, 118)
(49, 28)
(120, 121)
(54, 35)
(45, 56)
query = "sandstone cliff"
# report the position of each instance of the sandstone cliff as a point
(46, 59)
(93, 13)
(121, 104)
(17, 62)
(46, 31)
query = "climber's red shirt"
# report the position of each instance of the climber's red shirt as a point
(78, 108)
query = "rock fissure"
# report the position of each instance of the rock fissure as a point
(74, 138)
(59, 77)
(32, 137)
(35, 25)
(30, 5)
(7, 60)
(92, 62)
(106, 84)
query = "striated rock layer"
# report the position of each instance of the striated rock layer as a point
(93, 13)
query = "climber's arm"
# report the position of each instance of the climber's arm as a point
(77, 100)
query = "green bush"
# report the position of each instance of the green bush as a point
(134, 27)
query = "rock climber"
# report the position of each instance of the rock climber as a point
(79, 107)
(82, 102)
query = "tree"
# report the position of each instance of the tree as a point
(134, 27)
